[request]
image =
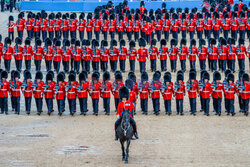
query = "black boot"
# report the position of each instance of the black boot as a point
(116, 136)
(136, 135)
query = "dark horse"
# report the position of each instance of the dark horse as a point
(125, 133)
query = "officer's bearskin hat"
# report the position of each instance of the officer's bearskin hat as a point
(167, 77)
(4, 74)
(106, 76)
(39, 75)
(206, 75)
(122, 43)
(157, 76)
(216, 76)
(18, 41)
(163, 42)
(129, 84)
(230, 77)
(123, 92)
(192, 75)
(142, 42)
(144, 76)
(245, 77)
(27, 75)
(183, 41)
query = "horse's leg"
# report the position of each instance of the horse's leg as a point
(123, 151)
(127, 150)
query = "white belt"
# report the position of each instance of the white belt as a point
(230, 91)
(82, 91)
(245, 92)
(179, 92)
(38, 90)
(205, 91)
(106, 91)
(156, 90)
(60, 92)
(95, 91)
(218, 91)
(192, 91)
(167, 93)
(144, 91)
(28, 91)
(16, 90)
(48, 91)
(71, 92)
(3, 89)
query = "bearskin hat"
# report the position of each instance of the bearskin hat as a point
(11, 18)
(39, 75)
(153, 42)
(27, 41)
(142, 42)
(106, 76)
(157, 76)
(163, 42)
(72, 77)
(95, 76)
(78, 43)
(206, 75)
(163, 5)
(132, 44)
(67, 43)
(49, 77)
(60, 77)
(183, 41)
(241, 72)
(213, 41)
(192, 75)
(216, 76)
(73, 41)
(180, 77)
(122, 43)
(201, 74)
(18, 41)
(4, 74)
(230, 77)
(223, 41)
(7, 40)
(129, 84)
(58, 43)
(227, 71)
(113, 43)
(104, 43)
(245, 77)
(167, 77)
(144, 76)
(132, 76)
(241, 41)
(38, 42)
(193, 42)
(123, 92)
(173, 42)
(27, 75)
(82, 77)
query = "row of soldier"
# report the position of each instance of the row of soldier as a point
(95, 88)
(139, 23)
(75, 53)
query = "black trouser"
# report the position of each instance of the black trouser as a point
(65, 34)
(104, 65)
(226, 105)
(57, 34)
(16, 104)
(192, 102)
(48, 64)
(95, 103)
(129, 34)
(223, 65)
(38, 65)
(81, 35)
(152, 36)
(132, 65)
(66, 66)
(199, 34)
(184, 34)
(192, 64)
(148, 38)
(20, 34)
(11, 35)
(57, 65)
(217, 105)
(240, 103)
(248, 34)
(105, 35)
(83, 105)
(163, 65)
(51, 35)
(153, 64)
(44, 35)
(76, 66)
(106, 105)
(156, 105)
(72, 64)
(132, 121)
(216, 34)
(7, 65)
(245, 105)
(95, 66)
(166, 35)
(87, 65)
(12, 102)
(234, 34)
(144, 105)
(89, 35)
(202, 105)
(120, 35)
(213, 65)
(241, 64)
(28, 104)
(30, 34)
(242, 34)
(173, 64)
(122, 65)
(39, 104)
(142, 66)
(143, 34)
(71, 105)
(179, 106)
(191, 33)
(202, 64)
(167, 104)
(206, 105)
(117, 101)
(230, 106)
(231, 65)
(36, 34)
(19, 65)
(97, 35)
(4, 104)
(2, 5)
(112, 35)
(28, 64)
(226, 34)
(73, 34)
(183, 65)
(136, 35)
(83, 64)
(60, 105)
(113, 65)
(175, 34)
(49, 103)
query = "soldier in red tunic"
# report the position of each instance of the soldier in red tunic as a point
(49, 92)
(4, 90)
(132, 54)
(27, 91)
(38, 91)
(66, 55)
(18, 54)
(142, 55)
(28, 54)
(245, 93)
(104, 55)
(94, 91)
(229, 91)
(167, 92)
(173, 52)
(60, 93)
(155, 88)
(113, 53)
(183, 53)
(96, 55)
(81, 26)
(193, 90)
(123, 55)
(192, 53)
(179, 92)
(205, 92)
(106, 89)
(241, 54)
(153, 53)
(217, 89)
(82, 92)
(71, 90)
(144, 91)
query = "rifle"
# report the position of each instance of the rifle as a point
(163, 87)
(57, 88)
(46, 86)
(202, 85)
(68, 86)
(177, 86)
(141, 86)
(35, 85)
(25, 85)
(92, 88)
(215, 85)
(189, 85)
(152, 89)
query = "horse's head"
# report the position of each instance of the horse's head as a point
(125, 122)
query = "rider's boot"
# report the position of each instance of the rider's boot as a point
(136, 135)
